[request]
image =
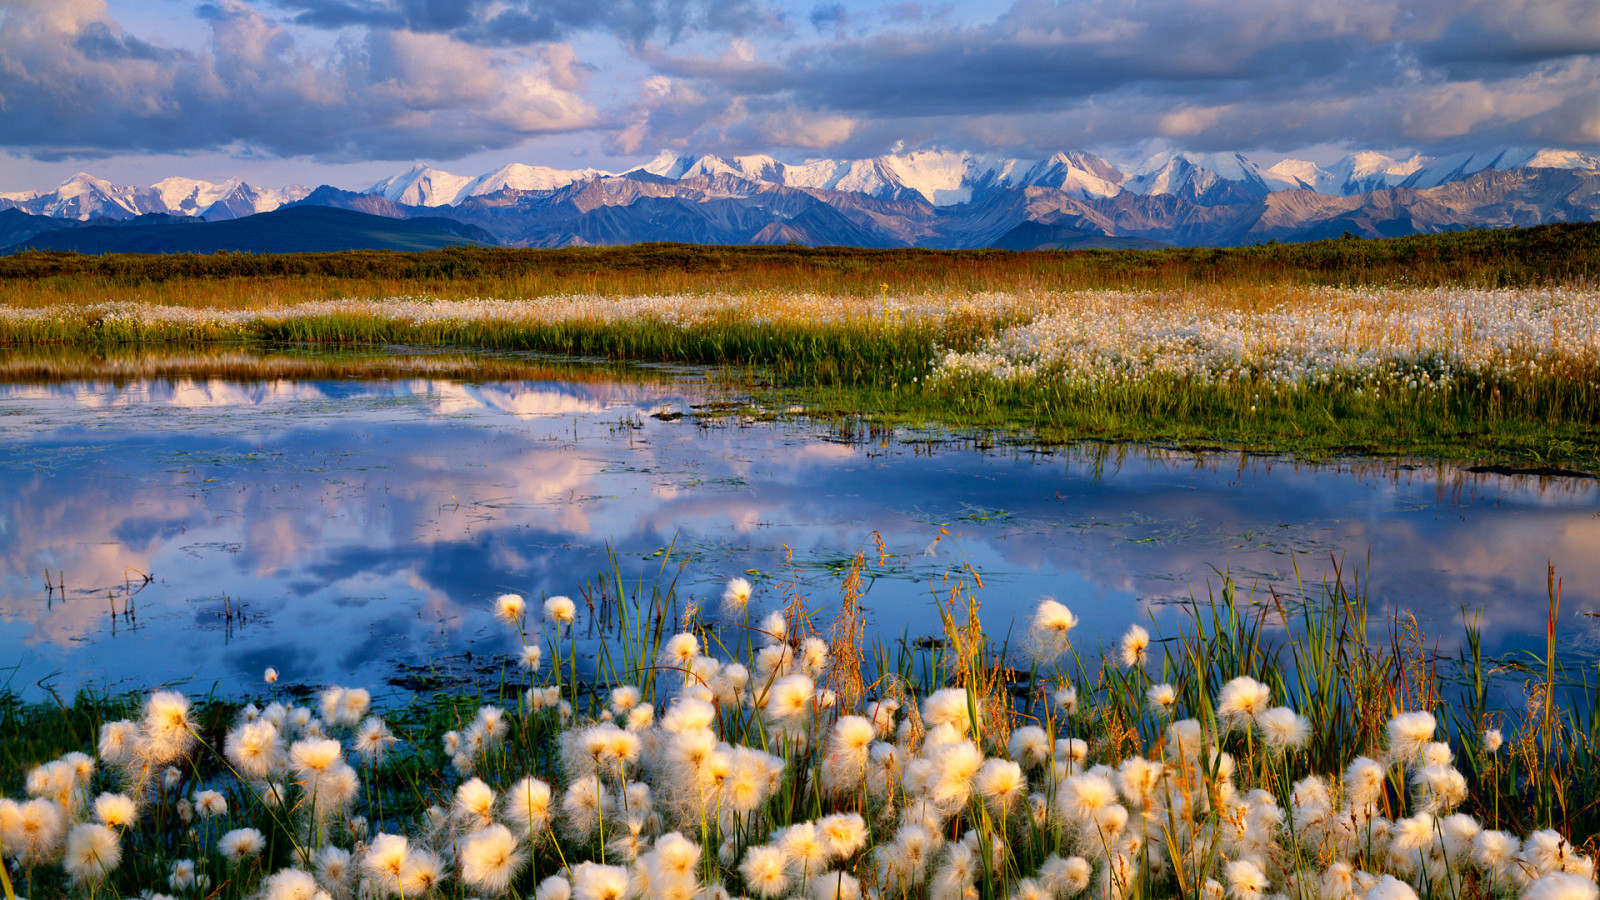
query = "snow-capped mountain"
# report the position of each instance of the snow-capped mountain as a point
(1203, 178)
(423, 185)
(1078, 173)
(927, 198)
(519, 177)
(85, 197)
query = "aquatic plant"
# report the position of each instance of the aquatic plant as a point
(1230, 759)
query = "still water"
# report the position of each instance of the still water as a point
(349, 529)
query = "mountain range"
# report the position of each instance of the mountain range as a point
(927, 198)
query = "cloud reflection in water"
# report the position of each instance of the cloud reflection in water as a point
(364, 524)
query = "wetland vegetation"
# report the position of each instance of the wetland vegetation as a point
(719, 750)
(1481, 346)
(1271, 747)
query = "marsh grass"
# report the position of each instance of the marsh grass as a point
(126, 363)
(1562, 253)
(1483, 346)
(923, 701)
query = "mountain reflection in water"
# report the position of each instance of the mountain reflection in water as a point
(339, 529)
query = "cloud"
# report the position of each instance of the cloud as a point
(512, 22)
(1246, 75)
(72, 83)
(345, 80)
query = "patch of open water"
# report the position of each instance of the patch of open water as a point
(346, 530)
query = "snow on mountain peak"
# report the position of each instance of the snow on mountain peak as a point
(521, 177)
(1296, 174)
(421, 185)
(943, 177)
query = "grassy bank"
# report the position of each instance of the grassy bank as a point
(721, 750)
(1548, 254)
(1410, 354)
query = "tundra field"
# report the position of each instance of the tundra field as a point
(756, 746)
(1482, 347)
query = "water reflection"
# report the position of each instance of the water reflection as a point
(336, 528)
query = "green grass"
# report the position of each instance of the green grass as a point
(845, 357)
(1563, 253)
(1545, 423)
(1324, 659)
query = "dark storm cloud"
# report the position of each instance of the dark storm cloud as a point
(1243, 75)
(528, 21)
(444, 78)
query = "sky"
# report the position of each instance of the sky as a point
(347, 92)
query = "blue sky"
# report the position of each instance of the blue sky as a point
(349, 91)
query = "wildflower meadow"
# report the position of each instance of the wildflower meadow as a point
(730, 749)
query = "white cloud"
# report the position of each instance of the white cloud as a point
(74, 83)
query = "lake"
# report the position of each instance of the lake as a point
(353, 526)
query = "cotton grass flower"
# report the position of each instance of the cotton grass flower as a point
(680, 650)
(560, 610)
(92, 852)
(1240, 700)
(291, 884)
(790, 698)
(1562, 886)
(241, 844)
(116, 810)
(1029, 746)
(531, 656)
(1492, 740)
(311, 757)
(553, 888)
(1161, 698)
(736, 596)
(334, 869)
(1001, 784)
(1066, 699)
(510, 608)
(210, 804)
(1246, 881)
(805, 850)
(474, 803)
(169, 734)
(1408, 733)
(843, 834)
(623, 700)
(1065, 877)
(1131, 650)
(765, 871)
(374, 741)
(255, 749)
(270, 676)
(181, 876)
(1282, 729)
(1391, 888)
(527, 805)
(950, 707)
(117, 741)
(1083, 795)
(1049, 635)
(491, 858)
(1493, 851)
(384, 860)
(592, 881)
